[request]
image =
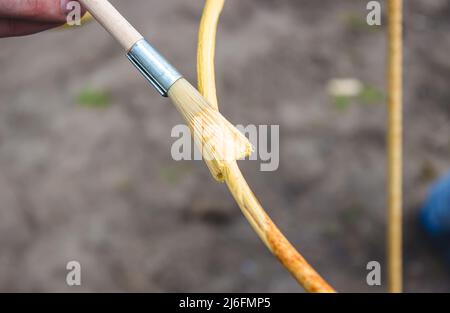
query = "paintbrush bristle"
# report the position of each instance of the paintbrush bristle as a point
(216, 138)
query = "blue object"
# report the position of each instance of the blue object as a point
(435, 214)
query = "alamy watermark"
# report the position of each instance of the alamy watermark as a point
(374, 16)
(73, 9)
(264, 138)
(373, 278)
(73, 277)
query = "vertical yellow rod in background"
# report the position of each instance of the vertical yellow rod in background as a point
(394, 138)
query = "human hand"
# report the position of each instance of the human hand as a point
(25, 17)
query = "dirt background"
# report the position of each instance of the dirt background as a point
(98, 185)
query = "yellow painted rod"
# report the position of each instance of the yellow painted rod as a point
(271, 236)
(394, 142)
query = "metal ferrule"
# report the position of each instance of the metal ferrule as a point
(153, 66)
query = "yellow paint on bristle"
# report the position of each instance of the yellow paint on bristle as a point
(214, 135)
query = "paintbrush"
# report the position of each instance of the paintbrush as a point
(218, 140)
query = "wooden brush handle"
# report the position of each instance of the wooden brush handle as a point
(105, 13)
